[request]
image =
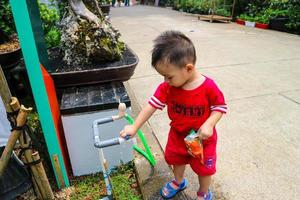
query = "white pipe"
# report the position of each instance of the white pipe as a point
(105, 173)
(122, 112)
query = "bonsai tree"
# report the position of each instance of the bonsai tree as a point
(87, 36)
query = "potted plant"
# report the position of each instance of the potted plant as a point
(249, 20)
(262, 21)
(105, 6)
(278, 15)
(241, 19)
(10, 51)
(90, 50)
(287, 17)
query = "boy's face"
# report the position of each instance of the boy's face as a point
(174, 75)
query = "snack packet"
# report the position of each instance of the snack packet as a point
(194, 145)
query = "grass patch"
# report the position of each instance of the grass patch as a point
(92, 187)
(124, 183)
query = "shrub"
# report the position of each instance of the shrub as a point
(293, 14)
(7, 25)
(50, 17)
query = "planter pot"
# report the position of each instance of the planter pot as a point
(105, 8)
(249, 24)
(279, 24)
(94, 73)
(10, 59)
(240, 21)
(262, 26)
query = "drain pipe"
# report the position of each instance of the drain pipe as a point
(106, 143)
(117, 141)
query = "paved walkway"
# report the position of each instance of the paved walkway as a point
(259, 73)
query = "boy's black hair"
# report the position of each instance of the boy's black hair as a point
(173, 47)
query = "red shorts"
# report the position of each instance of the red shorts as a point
(176, 153)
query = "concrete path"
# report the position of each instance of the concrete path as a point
(259, 73)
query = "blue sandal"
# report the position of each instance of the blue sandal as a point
(205, 196)
(171, 191)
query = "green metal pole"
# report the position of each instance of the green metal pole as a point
(27, 32)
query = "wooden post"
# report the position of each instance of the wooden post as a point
(4, 91)
(58, 171)
(36, 188)
(25, 143)
(42, 176)
(15, 104)
(40, 180)
(35, 184)
(21, 120)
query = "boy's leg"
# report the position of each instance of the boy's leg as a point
(178, 171)
(176, 156)
(204, 183)
(206, 171)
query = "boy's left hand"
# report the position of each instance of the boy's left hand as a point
(205, 131)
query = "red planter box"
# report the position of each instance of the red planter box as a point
(263, 26)
(239, 21)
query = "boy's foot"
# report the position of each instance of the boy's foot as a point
(172, 188)
(204, 196)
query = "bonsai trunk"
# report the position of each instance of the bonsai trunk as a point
(87, 36)
(79, 8)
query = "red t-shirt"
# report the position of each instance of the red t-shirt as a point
(189, 109)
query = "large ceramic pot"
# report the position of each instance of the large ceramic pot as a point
(105, 8)
(121, 70)
(279, 24)
(10, 59)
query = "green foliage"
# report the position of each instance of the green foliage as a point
(7, 25)
(121, 46)
(294, 14)
(87, 187)
(222, 12)
(34, 123)
(262, 18)
(52, 38)
(50, 18)
(193, 6)
(203, 7)
(122, 180)
(246, 17)
(169, 3)
(263, 11)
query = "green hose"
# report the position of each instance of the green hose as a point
(148, 155)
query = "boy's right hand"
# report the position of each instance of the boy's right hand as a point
(129, 130)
